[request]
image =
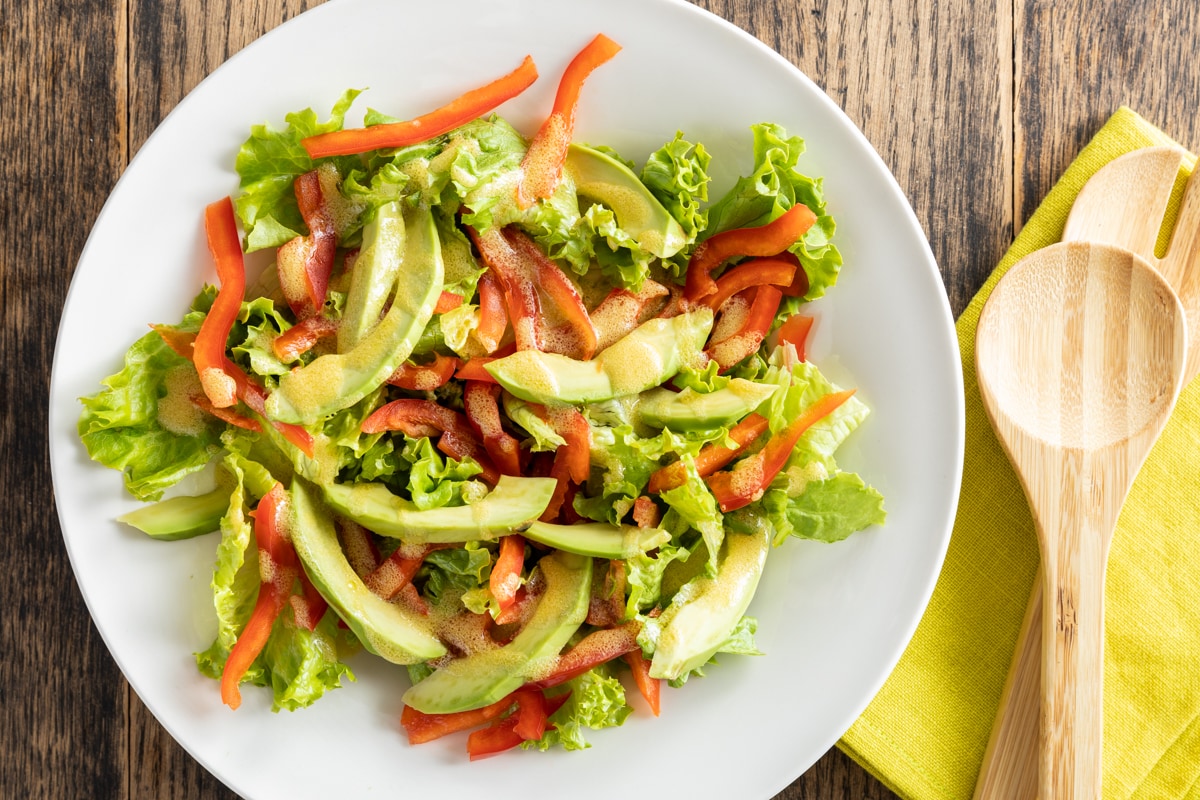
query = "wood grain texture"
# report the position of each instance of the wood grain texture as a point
(976, 107)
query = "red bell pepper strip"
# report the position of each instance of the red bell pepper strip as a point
(447, 301)
(306, 262)
(621, 311)
(395, 572)
(766, 240)
(795, 331)
(756, 272)
(358, 546)
(228, 415)
(543, 162)
(255, 397)
(577, 336)
(493, 320)
(749, 478)
(279, 567)
(310, 605)
(208, 351)
(419, 418)
(473, 369)
(422, 727)
(505, 578)
(483, 413)
(301, 337)
(649, 688)
(596, 648)
(470, 105)
(711, 457)
(532, 715)
(799, 285)
(572, 460)
(518, 283)
(425, 377)
(179, 341)
(733, 349)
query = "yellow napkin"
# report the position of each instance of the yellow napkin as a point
(924, 734)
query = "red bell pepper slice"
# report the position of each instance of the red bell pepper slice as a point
(310, 605)
(649, 688)
(396, 571)
(621, 311)
(711, 457)
(447, 301)
(749, 478)
(225, 414)
(543, 162)
(493, 320)
(358, 546)
(422, 727)
(766, 240)
(596, 648)
(425, 377)
(746, 340)
(518, 283)
(279, 567)
(179, 341)
(795, 330)
(208, 350)
(419, 418)
(572, 460)
(483, 413)
(577, 336)
(756, 272)
(505, 578)
(528, 723)
(302, 337)
(306, 262)
(468, 106)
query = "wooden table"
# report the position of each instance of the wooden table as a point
(976, 107)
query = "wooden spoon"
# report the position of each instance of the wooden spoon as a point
(1122, 204)
(1080, 353)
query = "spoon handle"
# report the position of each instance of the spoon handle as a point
(1073, 564)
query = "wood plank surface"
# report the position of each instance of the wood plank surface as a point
(975, 106)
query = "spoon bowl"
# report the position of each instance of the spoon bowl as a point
(1080, 354)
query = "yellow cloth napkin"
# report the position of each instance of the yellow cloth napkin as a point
(924, 734)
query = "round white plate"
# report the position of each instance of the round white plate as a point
(833, 619)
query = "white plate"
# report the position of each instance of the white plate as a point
(834, 619)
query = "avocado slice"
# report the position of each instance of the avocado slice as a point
(692, 410)
(598, 539)
(180, 517)
(651, 354)
(512, 505)
(487, 676)
(373, 276)
(705, 611)
(338, 380)
(606, 180)
(384, 628)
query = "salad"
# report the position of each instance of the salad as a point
(518, 414)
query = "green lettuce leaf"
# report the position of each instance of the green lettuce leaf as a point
(268, 163)
(694, 504)
(829, 509)
(597, 701)
(774, 186)
(122, 428)
(677, 175)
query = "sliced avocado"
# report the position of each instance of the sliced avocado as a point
(606, 180)
(338, 380)
(373, 276)
(510, 506)
(386, 629)
(705, 611)
(487, 676)
(180, 517)
(692, 410)
(598, 539)
(651, 354)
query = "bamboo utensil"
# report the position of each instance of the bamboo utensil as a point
(1122, 204)
(1080, 353)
